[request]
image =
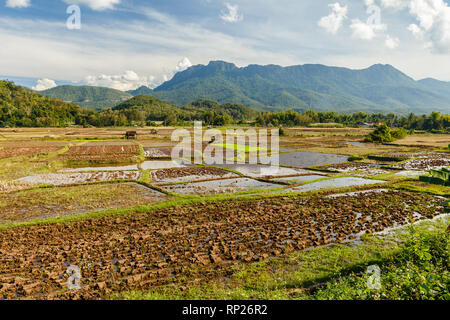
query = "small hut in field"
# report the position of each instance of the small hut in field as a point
(131, 135)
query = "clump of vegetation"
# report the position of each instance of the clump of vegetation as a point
(355, 158)
(440, 177)
(420, 271)
(384, 134)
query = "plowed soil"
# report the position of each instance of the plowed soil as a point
(201, 241)
(9, 149)
(424, 164)
(100, 152)
(349, 166)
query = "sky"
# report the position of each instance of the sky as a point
(124, 44)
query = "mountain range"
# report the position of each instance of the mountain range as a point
(379, 88)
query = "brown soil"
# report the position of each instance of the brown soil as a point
(101, 152)
(103, 149)
(9, 149)
(424, 164)
(200, 241)
(163, 174)
(349, 166)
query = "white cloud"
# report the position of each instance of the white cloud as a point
(129, 80)
(98, 5)
(434, 23)
(391, 42)
(365, 31)
(394, 4)
(333, 22)
(232, 15)
(18, 3)
(183, 65)
(44, 84)
(416, 31)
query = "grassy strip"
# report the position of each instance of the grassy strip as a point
(413, 186)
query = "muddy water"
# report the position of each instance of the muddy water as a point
(258, 171)
(192, 178)
(221, 186)
(355, 143)
(155, 165)
(308, 159)
(336, 183)
(300, 179)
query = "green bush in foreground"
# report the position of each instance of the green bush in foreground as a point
(419, 272)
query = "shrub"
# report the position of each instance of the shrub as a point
(384, 134)
(420, 271)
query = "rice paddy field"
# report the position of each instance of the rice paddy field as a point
(141, 225)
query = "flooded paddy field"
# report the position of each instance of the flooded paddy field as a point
(166, 176)
(260, 171)
(42, 203)
(309, 159)
(298, 179)
(154, 165)
(140, 251)
(221, 186)
(336, 183)
(203, 220)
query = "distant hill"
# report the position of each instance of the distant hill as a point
(143, 90)
(438, 87)
(97, 98)
(146, 108)
(21, 107)
(380, 88)
(235, 111)
(149, 108)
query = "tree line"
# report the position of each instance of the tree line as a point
(433, 122)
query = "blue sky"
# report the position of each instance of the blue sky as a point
(127, 43)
